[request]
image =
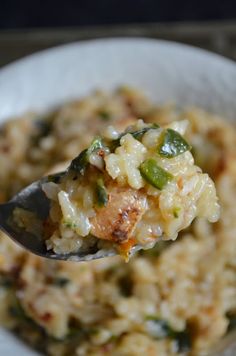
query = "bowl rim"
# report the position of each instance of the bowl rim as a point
(106, 40)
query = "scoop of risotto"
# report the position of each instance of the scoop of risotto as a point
(126, 190)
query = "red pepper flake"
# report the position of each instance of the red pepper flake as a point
(46, 317)
(101, 153)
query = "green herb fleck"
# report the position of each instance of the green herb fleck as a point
(159, 329)
(18, 312)
(126, 284)
(183, 341)
(43, 128)
(61, 281)
(176, 212)
(154, 174)
(70, 224)
(232, 321)
(6, 281)
(79, 164)
(138, 134)
(55, 178)
(96, 144)
(173, 144)
(101, 193)
(75, 333)
(104, 115)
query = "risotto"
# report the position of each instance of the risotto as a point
(178, 298)
(128, 190)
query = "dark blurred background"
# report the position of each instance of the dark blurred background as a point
(27, 26)
(49, 13)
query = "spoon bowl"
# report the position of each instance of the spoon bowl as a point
(33, 199)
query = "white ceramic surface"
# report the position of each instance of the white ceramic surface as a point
(165, 71)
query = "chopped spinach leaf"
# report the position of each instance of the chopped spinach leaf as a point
(126, 285)
(173, 144)
(159, 329)
(6, 281)
(138, 134)
(183, 341)
(154, 174)
(55, 178)
(104, 115)
(232, 321)
(44, 127)
(18, 312)
(75, 333)
(79, 164)
(61, 281)
(101, 193)
(96, 144)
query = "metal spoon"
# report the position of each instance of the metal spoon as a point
(33, 199)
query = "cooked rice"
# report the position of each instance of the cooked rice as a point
(178, 298)
(164, 212)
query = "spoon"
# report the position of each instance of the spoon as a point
(33, 199)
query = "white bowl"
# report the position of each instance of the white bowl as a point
(166, 71)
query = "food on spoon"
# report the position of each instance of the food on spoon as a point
(127, 190)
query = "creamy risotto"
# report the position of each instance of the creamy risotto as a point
(176, 298)
(127, 189)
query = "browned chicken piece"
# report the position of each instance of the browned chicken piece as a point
(118, 219)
